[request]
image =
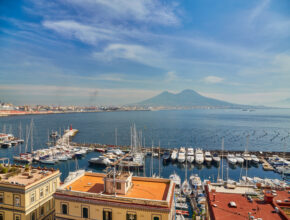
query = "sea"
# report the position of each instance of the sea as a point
(267, 129)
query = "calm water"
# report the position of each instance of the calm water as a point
(269, 130)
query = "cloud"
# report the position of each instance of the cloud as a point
(213, 79)
(142, 11)
(258, 10)
(84, 33)
(170, 76)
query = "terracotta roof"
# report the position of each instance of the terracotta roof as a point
(143, 189)
(222, 211)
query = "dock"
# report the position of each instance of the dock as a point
(266, 165)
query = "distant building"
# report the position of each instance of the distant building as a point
(27, 194)
(115, 196)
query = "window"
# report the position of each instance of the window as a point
(64, 209)
(85, 212)
(1, 216)
(156, 218)
(46, 190)
(131, 216)
(42, 211)
(32, 197)
(1, 197)
(33, 216)
(107, 215)
(17, 200)
(48, 206)
(118, 185)
(17, 217)
(54, 186)
(41, 193)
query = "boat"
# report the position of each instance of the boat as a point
(181, 155)
(231, 159)
(190, 155)
(6, 144)
(239, 158)
(207, 157)
(186, 188)
(48, 161)
(174, 155)
(62, 158)
(199, 158)
(23, 158)
(166, 157)
(255, 159)
(216, 158)
(247, 158)
(176, 179)
(195, 181)
(101, 150)
(101, 160)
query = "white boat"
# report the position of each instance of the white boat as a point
(176, 179)
(207, 157)
(190, 155)
(231, 159)
(62, 158)
(181, 155)
(239, 158)
(101, 160)
(174, 155)
(48, 161)
(199, 158)
(216, 158)
(255, 159)
(247, 158)
(195, 181)
(186, 188)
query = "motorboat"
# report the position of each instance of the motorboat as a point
(49, 160)
(176, 179)
(181, 155)
(199, 158)
(174, 155)
(247, 158)
(166, 157)
(207, 157)
(255, 159)
(239, 158)
(195, 181)
(190, 155)
(216, 158)
(101, 160)
(231, 159)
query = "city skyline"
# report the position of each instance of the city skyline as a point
(120, 52)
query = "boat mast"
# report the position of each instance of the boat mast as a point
(116, 136)
(159, 160)
(222, 159)
(247, 160)
(31, 141)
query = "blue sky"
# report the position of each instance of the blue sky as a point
(122, 51)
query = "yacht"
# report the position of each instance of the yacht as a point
(216, 158)
(207, 157)
(195, 181)
(174, 155)
(176, 179)
(255, 159)
(181, 155)
(232, 159)
(199, 156)
(101, 160)
(49, 160)
(247, 158)
(190, 155)
(239, 158)
(166, 157)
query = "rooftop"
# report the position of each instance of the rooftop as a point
(219, 203)
(143, 188)
(21, 176)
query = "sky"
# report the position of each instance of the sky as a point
(100, 52)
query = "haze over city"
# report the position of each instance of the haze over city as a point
(120, 52)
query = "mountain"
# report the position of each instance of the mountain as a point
(186, 98)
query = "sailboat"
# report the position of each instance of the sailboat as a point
(185, 187)
(176, 179)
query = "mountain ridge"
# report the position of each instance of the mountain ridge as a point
(185, 98)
